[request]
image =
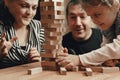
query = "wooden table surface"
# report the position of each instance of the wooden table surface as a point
(20, 73)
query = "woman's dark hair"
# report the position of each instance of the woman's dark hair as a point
(5, 15)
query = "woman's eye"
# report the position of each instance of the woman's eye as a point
(72, 17)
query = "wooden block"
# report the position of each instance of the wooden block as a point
(46, 3)
(48, 63)
(59, 3)
(60, 8)
(76, 69)
(97, 69)
(63, 71)
(45, 46)
(54, 38)
(88, 71)
(52, 29)
(60, 17)
(51, 51)
(49, 21)
(47, 12)
(51, 68)
(34, 70)
(110, 69)
(53, 33)
(51, 25)
(94, 69)
(47, 55)
(50, 42)
(58, 0)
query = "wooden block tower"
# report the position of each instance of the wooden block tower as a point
(52, 19)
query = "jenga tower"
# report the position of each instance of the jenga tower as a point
(52, 19)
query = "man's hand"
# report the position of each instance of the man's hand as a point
(33, 55)
(66, 60)
(5, 45)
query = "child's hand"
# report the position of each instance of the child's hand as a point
(5, 45)
(33, 55)
(110, 63)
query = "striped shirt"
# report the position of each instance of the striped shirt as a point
(16, 54)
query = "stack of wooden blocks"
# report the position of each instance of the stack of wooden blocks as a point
(52, 19)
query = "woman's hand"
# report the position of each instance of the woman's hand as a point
(66, 60)
(5, 45)
(33, 55)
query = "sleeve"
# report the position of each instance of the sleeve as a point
(108, 51)
(1, 29)
(42, 37)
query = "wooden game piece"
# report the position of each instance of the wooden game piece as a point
(76, 69)
(48, 55)
(50, 46)
(110, 69)
(89, 71)
(34, 70)
(97, 69)
(63, 71)
(53, 33)
(48, 63)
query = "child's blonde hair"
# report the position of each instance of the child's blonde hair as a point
(99, 2)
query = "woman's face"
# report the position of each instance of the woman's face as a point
(22, 10)
(103, 16)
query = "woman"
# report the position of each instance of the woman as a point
(21, 36)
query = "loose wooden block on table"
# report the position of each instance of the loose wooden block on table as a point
(34, 70)
(110, 69)
(89, 71)
(76, 69)
(63, 71)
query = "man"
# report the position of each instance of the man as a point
(82, 36)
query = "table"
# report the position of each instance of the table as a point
(20, 73)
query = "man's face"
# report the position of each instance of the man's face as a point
(78, 22)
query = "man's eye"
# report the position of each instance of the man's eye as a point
(72, 17)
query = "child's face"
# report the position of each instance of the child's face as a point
(103, 16)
